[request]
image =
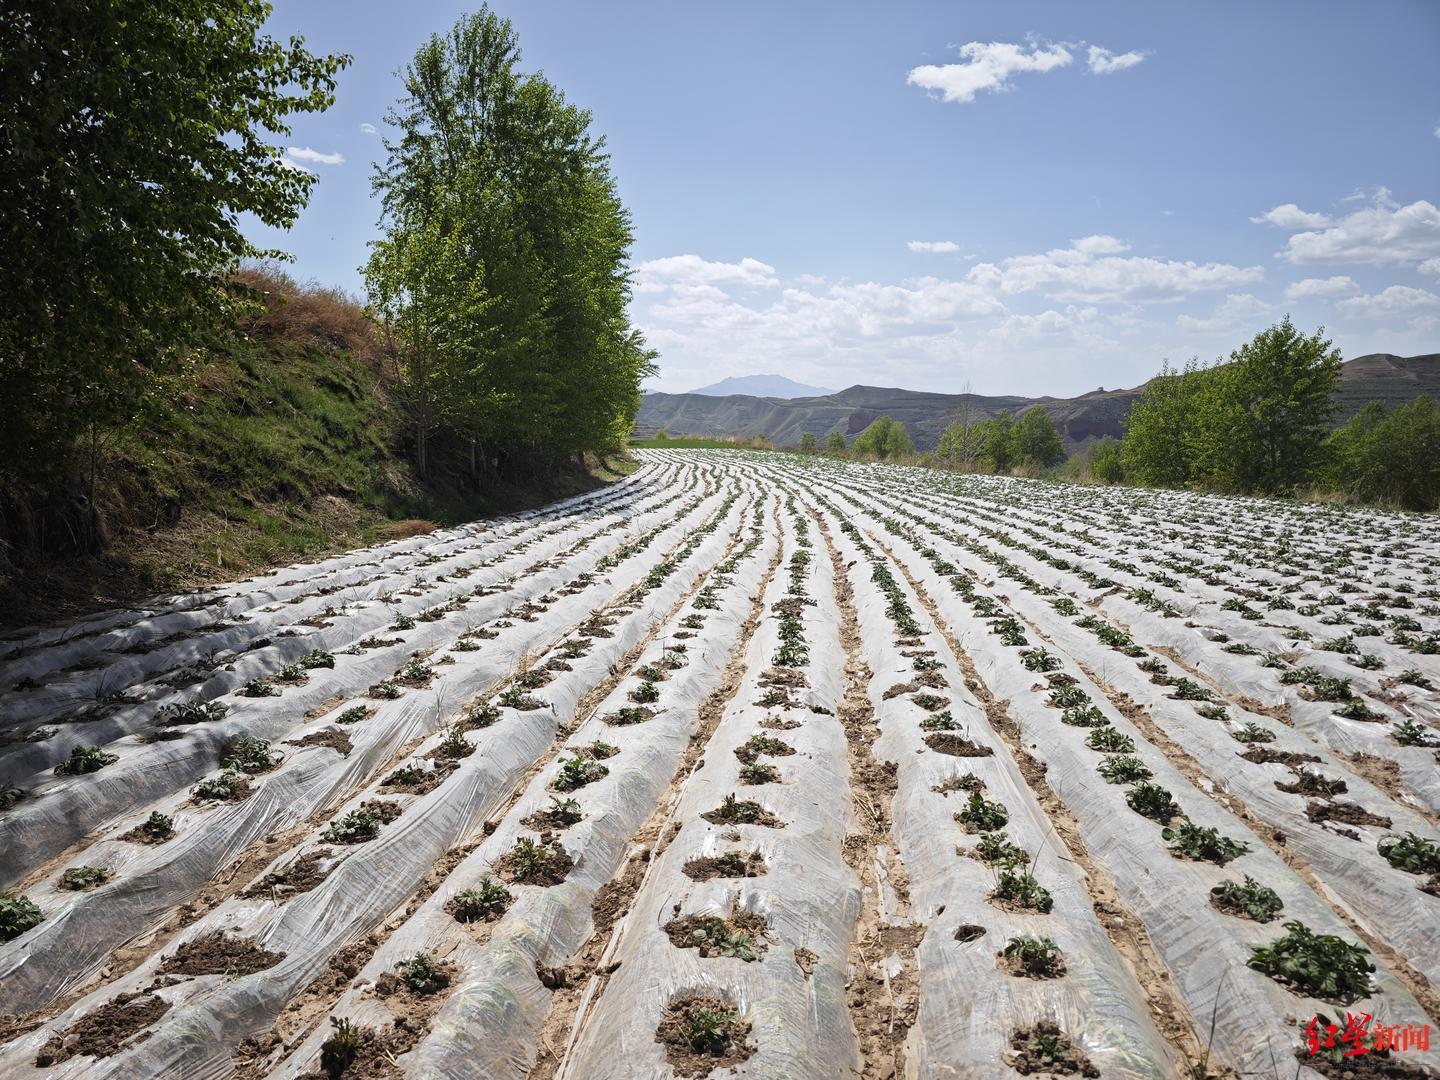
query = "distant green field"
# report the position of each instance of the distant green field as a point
(692, 443)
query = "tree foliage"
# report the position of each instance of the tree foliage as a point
(1034, 442)
(1390, 457)
(885, 438)
(132, 139)
(502, 272)
(1255, 423)
(835, 442)
(997, 449)
(807, 442)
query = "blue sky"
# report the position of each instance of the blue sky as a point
(1020, 197)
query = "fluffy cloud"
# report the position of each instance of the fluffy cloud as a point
(1383, 232)
(681, 271)
(1092, 270)
(1290, 216)
(369, 129)
(1235, 310)
(987, 66)
(1398, 301)
(1431, 267)
(935, 247)
(1105, 62)
(1314, 286)
(302, 157)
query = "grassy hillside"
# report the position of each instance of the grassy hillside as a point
(286, 447)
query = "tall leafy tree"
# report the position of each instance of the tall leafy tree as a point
(133, 136)
(835, 442)
(1156, 430)
(539, 358)
(885, 438)
(1035, 442)
(807, 442)
(1282, 390)
(997, 448)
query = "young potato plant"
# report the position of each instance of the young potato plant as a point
(1247, 900)
(483, 903)
(1033, 957)
(249, 755)
(1411, 853)
(1018, 888)
(84, 760)
(577, 771)
(18, 914)
(1202, 844)
(1123, 769)
(1108, 740)
(982, 815)
(1315, 965)
(1152, 801)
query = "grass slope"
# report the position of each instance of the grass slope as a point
(288, 448)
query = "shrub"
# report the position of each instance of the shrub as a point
(1315, 965)
(85, 759)
(1203, 844)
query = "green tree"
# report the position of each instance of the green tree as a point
(1035, 442)
(1153, 450)
(997, 449)
(885, 438)
(807, 442)
(835, 442)
(1388, 457)
(1283, 386)
(133, 138)
(528, 337)
(959, 446)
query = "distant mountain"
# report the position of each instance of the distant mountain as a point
(776, 386)
(1377, 377)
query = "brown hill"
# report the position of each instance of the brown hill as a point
(1098, 414)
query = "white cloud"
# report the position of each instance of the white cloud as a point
(682, 271)
(1437, 131)
(1105, 62)
(1290, 216)
(1383, 232)
(1314, 286)
(934, 247)
(1092, 271)
(988, 66)
(1431, 267)
(303, 155)
(1397, 301)
(369, 129)
(1236, 309)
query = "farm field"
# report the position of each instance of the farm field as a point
(749, 764)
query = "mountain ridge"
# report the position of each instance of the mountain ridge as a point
(766, 385)
(1083, 418)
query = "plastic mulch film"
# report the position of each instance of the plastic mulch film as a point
(151, 879)
(808, 896)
